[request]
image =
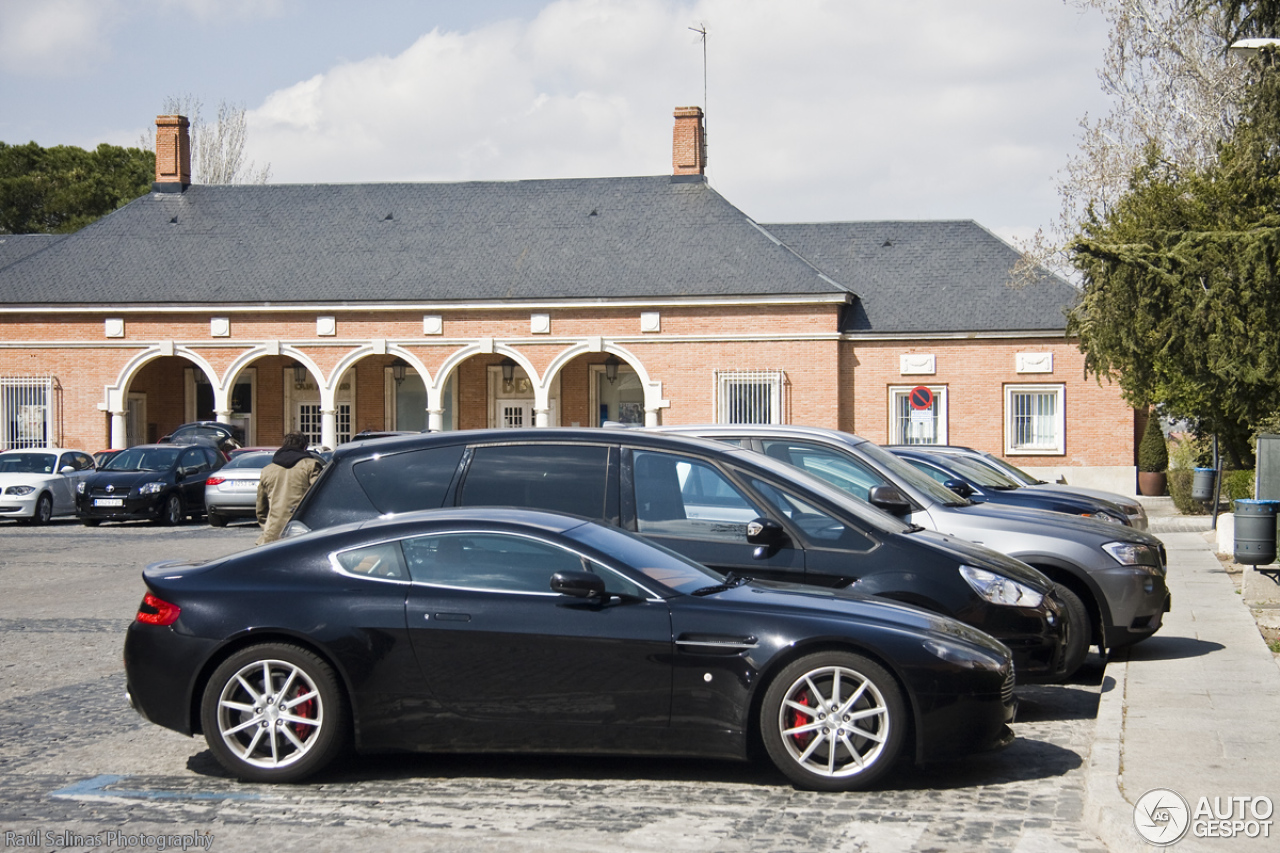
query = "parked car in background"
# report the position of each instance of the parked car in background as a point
(226, 436)
(504, 630)
(1112, 574)
(37, 484)
(981, 484)
(732, 510)
(161, 482)
(100, 458)
(232, 490)
(1131, 506)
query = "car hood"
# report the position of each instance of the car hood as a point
(1041, 522)
(128, 479)
(848, 604)
(17, 478)
(982, 557)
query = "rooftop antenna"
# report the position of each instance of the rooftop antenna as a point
(701, 30)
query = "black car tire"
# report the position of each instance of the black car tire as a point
(261, 736)
(90, 522)
(43, 511)
(1078, 630)
(869, 725)
(216, 520)
(171, 513)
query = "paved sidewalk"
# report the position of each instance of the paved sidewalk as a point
(1195, 709)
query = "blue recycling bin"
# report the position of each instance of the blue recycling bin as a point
(1255, 531)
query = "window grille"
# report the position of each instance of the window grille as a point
(917, 426)
(1034, 419)
(749, 396)
(29, 412)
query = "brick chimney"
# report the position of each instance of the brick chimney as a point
(689, 143)
(173, 154)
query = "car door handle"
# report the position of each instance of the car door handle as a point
(448, 617)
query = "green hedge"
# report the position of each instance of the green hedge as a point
(1235, 485)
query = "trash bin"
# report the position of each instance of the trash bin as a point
(1202, 485)
(1255, 531)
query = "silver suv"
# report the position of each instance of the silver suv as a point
(1116, 574)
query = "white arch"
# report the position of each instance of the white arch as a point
(116, 395)
(652, 389)
(484, 346)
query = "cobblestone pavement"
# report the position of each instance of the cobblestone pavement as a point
(80, 770)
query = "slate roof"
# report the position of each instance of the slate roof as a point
(15, 247)
(930, 276)
(598, 238)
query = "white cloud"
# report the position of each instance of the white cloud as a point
(818, 109)
(54, 37)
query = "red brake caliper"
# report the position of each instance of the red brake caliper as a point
(303, 709)
(799, 719)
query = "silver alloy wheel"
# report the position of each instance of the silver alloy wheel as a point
(834, 722)
(44, 510)
(270, 713)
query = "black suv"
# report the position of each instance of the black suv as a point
(162, 482)
(731, 509)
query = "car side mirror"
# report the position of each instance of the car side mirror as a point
(960, 487)
(767, 535)
(578, 584)
(67, 469)
(890, 499)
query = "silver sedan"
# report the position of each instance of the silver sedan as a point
(232, 490)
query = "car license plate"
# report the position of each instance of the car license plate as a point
(108, 501)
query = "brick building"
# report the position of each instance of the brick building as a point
(331, 309)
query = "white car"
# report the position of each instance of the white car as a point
(38, 483)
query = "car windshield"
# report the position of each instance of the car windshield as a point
(250, 460)
(144, 459)
(27, 463)
(899, 470)
(1013, 472)
(979, 473)
(660, 566)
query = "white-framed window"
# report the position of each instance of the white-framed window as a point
(750, 396)
(28, 412)
(1034, 420)
(911, 425)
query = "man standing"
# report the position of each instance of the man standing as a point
(292, 471)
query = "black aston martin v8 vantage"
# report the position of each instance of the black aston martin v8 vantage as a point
(478, 629)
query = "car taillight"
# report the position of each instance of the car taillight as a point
(157, 611)
(213, 481)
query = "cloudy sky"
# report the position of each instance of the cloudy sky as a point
(817, 110)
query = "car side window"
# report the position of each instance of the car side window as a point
(679, 496)
(818, 526)
(383, 560)
(568, 478)
(839, 470)
(401, 482)
(490, 562)
(193, 460)
(78, 461)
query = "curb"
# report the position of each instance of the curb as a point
(1106, 811)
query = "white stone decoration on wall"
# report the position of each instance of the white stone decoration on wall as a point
(1035, 362)
(326, 327)
(220, 327)
(540, 324)
(917, 363)
(114, 327)
(432, 324)
(650, 321)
